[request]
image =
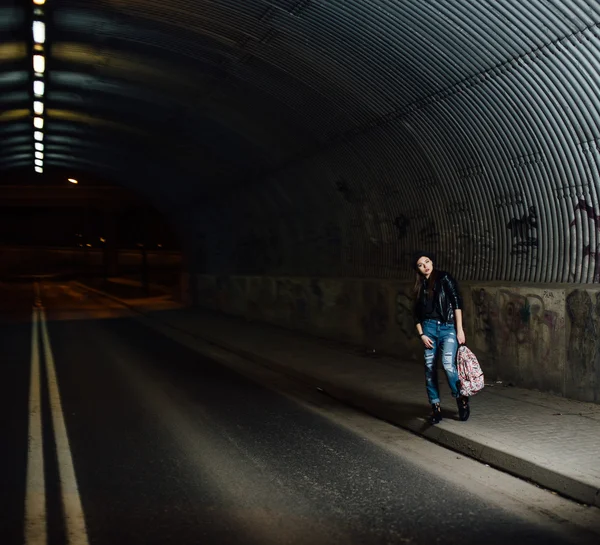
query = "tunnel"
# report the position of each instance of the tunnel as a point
(300, 272)
(302, 150)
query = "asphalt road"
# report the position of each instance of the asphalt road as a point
(165, 446)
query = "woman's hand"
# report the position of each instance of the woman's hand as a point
(427, 341)
(460, 336)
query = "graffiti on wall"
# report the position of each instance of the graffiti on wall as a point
(420, 224)
(402, 223)
(508, 319)
(588, 212)
(595, 256)
(485, 318)
(429, 233)
(469, 243)
(583, 349)
(522, 230)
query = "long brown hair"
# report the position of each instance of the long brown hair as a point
(430, 282)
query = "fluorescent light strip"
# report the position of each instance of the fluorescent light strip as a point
(39, 88)
(39, 32)
(39, 64)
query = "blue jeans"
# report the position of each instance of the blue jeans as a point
(444, 341)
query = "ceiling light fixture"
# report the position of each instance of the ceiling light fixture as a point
(38, 88)
(39, 32)
(39, 64)
(73, 181)
(38, 29)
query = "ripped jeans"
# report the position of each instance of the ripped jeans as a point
(444, 341)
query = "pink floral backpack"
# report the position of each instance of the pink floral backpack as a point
(469, 372)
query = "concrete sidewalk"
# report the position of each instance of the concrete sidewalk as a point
(549, 440)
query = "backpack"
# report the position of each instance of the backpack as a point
(469, 372)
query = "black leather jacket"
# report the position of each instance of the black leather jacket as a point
(446, 298)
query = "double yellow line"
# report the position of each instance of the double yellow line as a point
(36, 526)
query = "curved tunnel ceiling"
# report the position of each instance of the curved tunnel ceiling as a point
(318, 137)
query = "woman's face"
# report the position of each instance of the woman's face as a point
(425, 266)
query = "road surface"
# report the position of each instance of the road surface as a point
(116, 434)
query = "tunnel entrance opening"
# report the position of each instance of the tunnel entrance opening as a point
(94, 231)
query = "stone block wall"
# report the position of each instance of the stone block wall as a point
(539, 337)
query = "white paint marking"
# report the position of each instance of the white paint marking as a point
(35, 492)
(74, 518)
(37, 294)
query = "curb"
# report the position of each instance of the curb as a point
(479, 450)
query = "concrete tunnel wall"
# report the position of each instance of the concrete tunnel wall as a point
(324, 141)
(540, 337)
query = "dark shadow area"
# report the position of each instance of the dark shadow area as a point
(85, 231)
(124, 289)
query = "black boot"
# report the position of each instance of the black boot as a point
(464, 411)
(436, 413)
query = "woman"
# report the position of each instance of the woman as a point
(438, 315)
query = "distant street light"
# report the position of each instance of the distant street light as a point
(73, 181)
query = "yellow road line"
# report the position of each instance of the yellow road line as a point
(35, 491)
(74, 518)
